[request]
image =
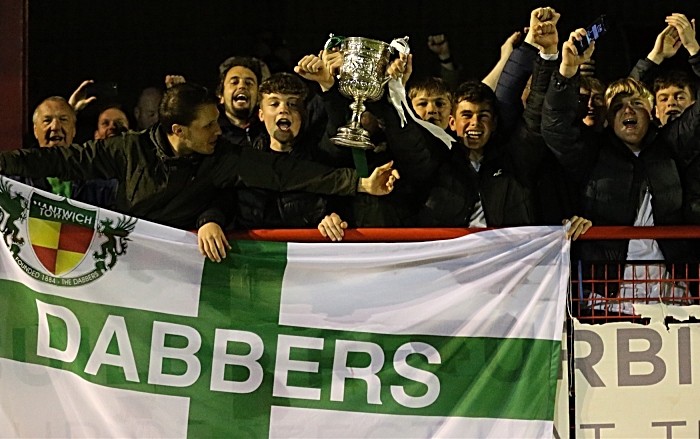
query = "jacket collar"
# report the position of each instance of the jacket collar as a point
(647, 141)
(164, 150)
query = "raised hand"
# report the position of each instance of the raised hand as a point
(666, 45)
(401, 67)
(570, 59)
(540, 15)
(508, 47)
(686, 32)
(79, 99)
(537, 17)
(438, 45)
(546, 36)
(171, 80)
(333, 59)
(313, 68)
(381, 182)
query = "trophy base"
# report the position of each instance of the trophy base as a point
(354, 138)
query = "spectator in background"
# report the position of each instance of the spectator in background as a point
(627, 175)
(450, 70)
(239, 78)
(673, 90)
(592, 103)
(172, 173)
(146, 110)
(54, 127)
(431, 99)
(111, 122)
(282, 112)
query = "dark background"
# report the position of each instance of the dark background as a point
(136, 43)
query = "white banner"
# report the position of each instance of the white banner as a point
(637, 381)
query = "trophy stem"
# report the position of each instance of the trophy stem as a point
(358, 107)
(353, 135)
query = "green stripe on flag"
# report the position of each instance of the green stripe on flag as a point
(479, 377)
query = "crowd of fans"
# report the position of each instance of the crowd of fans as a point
(539, 141)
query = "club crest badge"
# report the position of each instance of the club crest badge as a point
(57, 242)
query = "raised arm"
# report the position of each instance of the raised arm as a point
(99, 159)
(450, 71)
(687, 37)
(506, 50)
(666, 45)
(560, 123)
(542, 37)
(322, 69)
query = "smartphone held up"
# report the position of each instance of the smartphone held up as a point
(593, 32)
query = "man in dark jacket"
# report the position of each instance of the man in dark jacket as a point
(171, 173)
(282, 113)
(239, 78)
(54, 123)
(484, 179)
(630, 173)
(674, 91)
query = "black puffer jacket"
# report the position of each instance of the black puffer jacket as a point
(236, 135)
(264, 209)
(451, 186)
(611, 178)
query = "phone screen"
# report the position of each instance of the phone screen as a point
(593, 32)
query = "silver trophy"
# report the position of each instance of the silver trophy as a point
(363, 77)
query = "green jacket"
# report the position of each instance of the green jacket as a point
(175, 191)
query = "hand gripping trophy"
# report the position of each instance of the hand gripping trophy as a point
(362, 78)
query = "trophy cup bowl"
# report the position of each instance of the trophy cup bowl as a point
(362, 78)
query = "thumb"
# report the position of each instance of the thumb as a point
(385, 167)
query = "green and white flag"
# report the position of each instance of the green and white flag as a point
(116, 327)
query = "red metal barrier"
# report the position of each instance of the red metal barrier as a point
(418, 234)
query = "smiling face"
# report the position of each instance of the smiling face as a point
(111, 122)
(671, 102)
(282, 116)
(629, 115)
(240, 92)
(474, 123)
(432, 108)
(201, 135)
(54, 123)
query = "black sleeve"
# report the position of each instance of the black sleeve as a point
(561, 128)
(683, 133)
(511, 85)
(253, 168)
(222, 210)
(541, 76)
(100, 159)
(645, 71)
(337, 111)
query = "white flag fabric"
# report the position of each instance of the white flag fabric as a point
(115, 327)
